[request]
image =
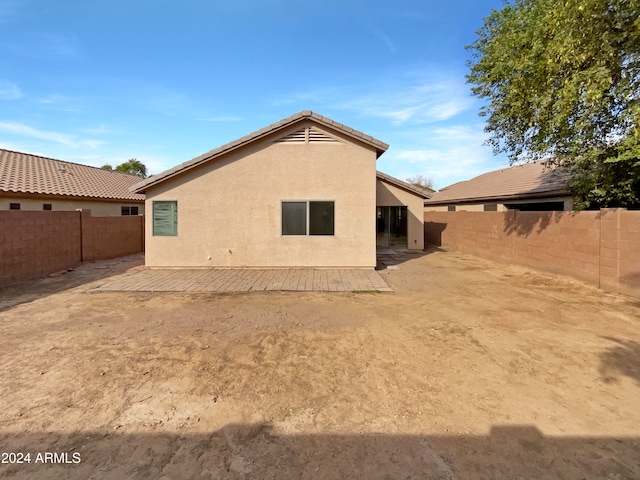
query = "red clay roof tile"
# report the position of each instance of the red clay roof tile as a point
(26, 173)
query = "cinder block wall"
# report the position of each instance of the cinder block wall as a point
(601, 248)
(629, 242)
(111, 237)
(37, 243)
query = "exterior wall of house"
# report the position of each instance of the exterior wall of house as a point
(459, 208)
(388, 195)
(97, 207)
(229, 209)
(500, 207)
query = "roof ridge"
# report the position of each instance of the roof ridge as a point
(402, 184)
(521, 180)
(66, 161)
(22, 172)
(379, 145)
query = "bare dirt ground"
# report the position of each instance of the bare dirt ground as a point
(469, 370)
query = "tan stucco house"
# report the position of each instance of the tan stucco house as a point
(33, 182)
(299, 192)
(399, 212)
(535, 186)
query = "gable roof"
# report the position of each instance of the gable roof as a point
(380, 146)
(403, 185)
(529, 180)
(26, 173)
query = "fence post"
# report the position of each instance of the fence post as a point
(609, 265)
(82, 212)
(79, 210)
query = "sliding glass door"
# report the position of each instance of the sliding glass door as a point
(391, 227)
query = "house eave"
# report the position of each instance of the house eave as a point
(225, 149)
(498, 199)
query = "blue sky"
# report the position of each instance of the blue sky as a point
(164, 81)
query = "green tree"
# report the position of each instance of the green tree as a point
(562, 80)
(133, 166)
(106, 166)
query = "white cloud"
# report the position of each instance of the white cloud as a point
(21, 129)
(61, 103)
(431, 100)
(9, 91)
(384, 37)
(100, 130)
(53, 99)
(414, 98)
(447, 154)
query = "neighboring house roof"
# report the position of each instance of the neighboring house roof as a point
(25, 173)
(403, 185)
(380, 146)
(529, 180)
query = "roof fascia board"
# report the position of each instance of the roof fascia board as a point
(506, 198)
(258, 135)
(383, 177)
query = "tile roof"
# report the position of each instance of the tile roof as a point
(380, 146)
(403, 185)
(26, 173)
(529, 180)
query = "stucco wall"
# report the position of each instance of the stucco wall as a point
(229, 210)
(98, 208)
(388, 195)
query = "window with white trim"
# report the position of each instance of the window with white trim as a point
(127, 210)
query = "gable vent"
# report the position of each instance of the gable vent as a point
(298, 136)
(307, 135)
(316, 135)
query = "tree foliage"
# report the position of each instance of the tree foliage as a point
(133, 166)
(421, 181)
(562, 80)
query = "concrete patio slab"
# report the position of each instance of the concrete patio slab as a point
(248, 280)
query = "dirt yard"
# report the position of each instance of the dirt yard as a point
(469, 370)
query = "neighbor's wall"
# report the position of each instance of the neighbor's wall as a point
(98, 208)
(601, 248)
(229, 210)
(388, 195)
(33, 244)
(111, 237)
(460, 208)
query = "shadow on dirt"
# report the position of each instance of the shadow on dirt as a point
(85, 273)
(257, 451)
(623, 358)
(390, 257)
